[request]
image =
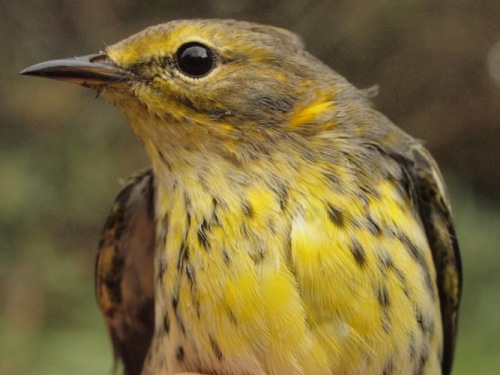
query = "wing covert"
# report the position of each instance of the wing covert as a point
(124, 271)
(435, 213)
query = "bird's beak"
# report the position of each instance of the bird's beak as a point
(90, 71)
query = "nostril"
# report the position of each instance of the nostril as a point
(101, 57)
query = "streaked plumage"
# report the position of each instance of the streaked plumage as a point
(296, 229)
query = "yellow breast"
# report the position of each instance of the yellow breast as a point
(295, 274)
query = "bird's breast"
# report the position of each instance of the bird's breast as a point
(293, 277)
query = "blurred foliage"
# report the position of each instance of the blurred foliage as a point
(62, 153)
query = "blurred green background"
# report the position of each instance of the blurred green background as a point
(63, 153)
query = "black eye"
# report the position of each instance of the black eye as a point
(195, 59)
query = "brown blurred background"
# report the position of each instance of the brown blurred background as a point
(62, 153)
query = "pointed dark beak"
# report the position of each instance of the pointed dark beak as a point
(89, 71)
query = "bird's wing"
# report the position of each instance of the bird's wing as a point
(124, 271)
(431, 199)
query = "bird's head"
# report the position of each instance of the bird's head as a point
(209, 76)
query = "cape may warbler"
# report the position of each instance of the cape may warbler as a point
(294, 229)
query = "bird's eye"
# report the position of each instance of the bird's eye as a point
(195, 60)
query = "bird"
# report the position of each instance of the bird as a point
(284, 226)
